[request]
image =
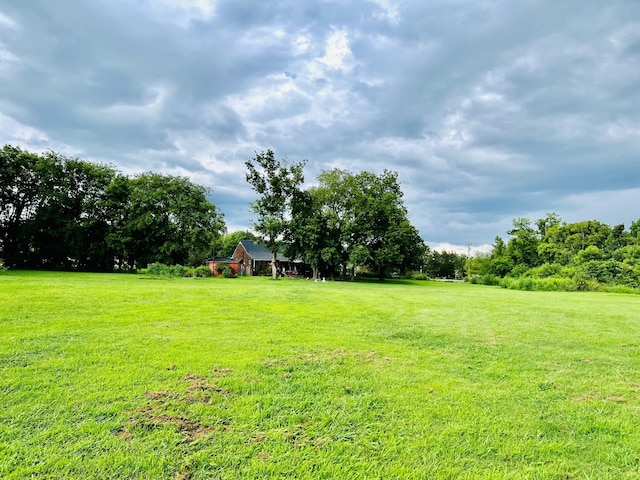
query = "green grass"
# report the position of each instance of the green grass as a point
(123, 376)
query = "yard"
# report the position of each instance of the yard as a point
(129, 376)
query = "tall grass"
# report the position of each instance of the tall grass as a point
(126, 376)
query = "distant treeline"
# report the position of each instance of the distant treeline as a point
(64, 213)
(550, 254)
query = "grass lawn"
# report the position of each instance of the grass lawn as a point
(124, 376)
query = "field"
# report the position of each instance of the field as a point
(126, 376)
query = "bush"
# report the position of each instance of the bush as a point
(550, 284)
(519, 269)
(420, 276)
(162, 270)
(2, 267)
(545, 270)
(158, 269)
(225, 271)
(555, 284)
(201, 272)
(179, 271)
(585, 284)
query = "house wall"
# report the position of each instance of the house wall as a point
(241, 254)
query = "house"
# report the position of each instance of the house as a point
(215, 263)
(255, 259)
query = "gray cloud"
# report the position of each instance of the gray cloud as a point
(488, 110)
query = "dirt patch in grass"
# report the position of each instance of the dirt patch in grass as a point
(156, 395)
(170, 409)
(152, 417)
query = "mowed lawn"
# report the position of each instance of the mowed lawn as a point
(126, 376)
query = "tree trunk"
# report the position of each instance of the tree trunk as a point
(274, 271)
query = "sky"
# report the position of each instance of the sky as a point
(489, 110)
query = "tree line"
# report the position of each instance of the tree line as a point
(553, 254)
(64, 213)
(345, 222)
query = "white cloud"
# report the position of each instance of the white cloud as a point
(337, 51)
(18, 132)
(468, 249)
(7, 22)
(301, 44)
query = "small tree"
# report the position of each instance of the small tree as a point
(275, 182)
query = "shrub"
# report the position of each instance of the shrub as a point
(545, 270)
(420, 276)
(490, 279)
(2, 267)
(158, 269)
(179, 271)
(519, 269)
(201, 272)
(555, 284)
(585, 284)
(225, 271)
(550, 284)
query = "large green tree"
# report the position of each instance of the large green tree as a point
(275, 181)
(20, 194)
(334, 194)
(167, 219)
(308, 236)
(50, 214)
(384, 238)
(523, 245)
(365, 223)
(59, 212)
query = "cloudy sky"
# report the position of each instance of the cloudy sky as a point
(488, 109)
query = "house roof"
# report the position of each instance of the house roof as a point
(259, 252)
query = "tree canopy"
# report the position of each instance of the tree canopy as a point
(275, 181)
(65, 213)
(347, 221)
(579, 255)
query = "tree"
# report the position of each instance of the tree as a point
(20, 195)
(523, 245)
(444, 264)
(167, 219)
(60, 212)
(335, 193)
(228, 243)
(381, 225)
(50, 210)
(306, 236)
(617, 239)
(501, 262)
(551, 220)
(364, 223)
(275, 182)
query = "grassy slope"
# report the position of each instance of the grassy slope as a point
(117, 376)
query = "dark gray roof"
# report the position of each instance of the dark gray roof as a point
(258, 251)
